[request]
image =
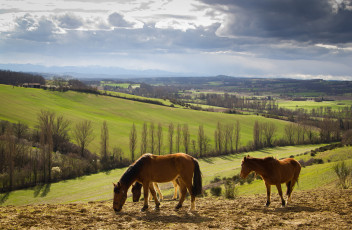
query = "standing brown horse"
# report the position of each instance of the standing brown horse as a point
(273, 172)
(152, 168)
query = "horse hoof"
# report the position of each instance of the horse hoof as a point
(144, 208)
(178, 206)
(267, 204)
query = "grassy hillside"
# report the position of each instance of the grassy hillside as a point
(99, 186)
(23, 104)
(309, 105)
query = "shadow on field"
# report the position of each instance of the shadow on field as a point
(293, 209)
(42, 190)
(175, 218)
(4, 197)
(208, 160)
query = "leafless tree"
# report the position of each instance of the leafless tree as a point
(152, 137)
(326, 129)
(201, 140)
(46, 121)
(237, 134)
(133, 141)
(10, 154)
(186, 137)
(83, 135)
(219, 138)
(290, 133)
(228, 144)
(159, 143)
(60, 132)
(144, 135)
(20, 130)
(104, 142)
(178, 138)
(171, 137)
(269, 130)
(257, 135)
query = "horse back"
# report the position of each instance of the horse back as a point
(289, 169)
(167, 167)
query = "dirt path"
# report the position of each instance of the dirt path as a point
(324, 209)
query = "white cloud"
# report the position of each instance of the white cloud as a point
(237, 37)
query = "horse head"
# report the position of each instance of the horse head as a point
(245, 169)
(120, 196)
(136, 191)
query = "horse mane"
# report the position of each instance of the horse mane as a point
(133, 170)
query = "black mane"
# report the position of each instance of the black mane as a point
(131, 173)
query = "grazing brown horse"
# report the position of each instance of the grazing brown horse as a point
(152, 168)
(273, 172)
(137, 191)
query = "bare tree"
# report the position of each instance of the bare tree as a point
(237, 134)
(201, 140)
(178, 138)
(144, 136)
(290, 133)
(326, 129)
(186, 137)
(60, 132)
(152, 137)
(228, 139)
(83, 135)
(269, 130)
(256, 135)
(10, 153)
(46, 121)
(171, 137)
(20, 130)
(159, 143)
(133, 141)
(104, 142)
(219, 138)
(194, 147)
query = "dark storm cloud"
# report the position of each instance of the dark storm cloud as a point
(317, 21)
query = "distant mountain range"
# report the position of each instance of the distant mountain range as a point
(90, 71)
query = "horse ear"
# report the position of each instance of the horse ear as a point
(114, 184)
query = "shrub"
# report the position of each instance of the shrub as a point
(230, 189)
(216, 179)
(216, 191)
(344, 174)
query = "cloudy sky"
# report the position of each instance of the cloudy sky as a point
(255, 38)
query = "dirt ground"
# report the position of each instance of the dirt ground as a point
(317, 209)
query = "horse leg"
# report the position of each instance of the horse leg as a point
(293, 182)
(278, 186)
(175, 190)
(146, 201)
(268, 190)
(152, 191)
(158, 189)
(183, 191)
(289, 191)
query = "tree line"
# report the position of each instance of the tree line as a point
(57, 150)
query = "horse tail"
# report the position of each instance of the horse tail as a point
(197, 179)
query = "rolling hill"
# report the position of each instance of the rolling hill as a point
(24, 104)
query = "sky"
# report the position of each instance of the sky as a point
(246, 38)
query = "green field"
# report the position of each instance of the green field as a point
(310, 104)
(24, 104)
(99, 186)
